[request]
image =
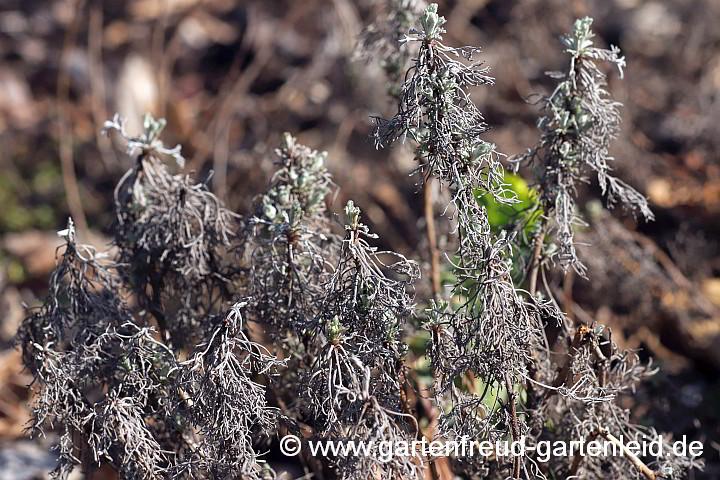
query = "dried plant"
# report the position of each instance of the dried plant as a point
(495, 376)
(98, 374)
(171, 234)
(285, 321)
(116, 389)
(290, 243)
(577, 126)
(383, 40)
(222, 401)
(363, 314)
(434, 110)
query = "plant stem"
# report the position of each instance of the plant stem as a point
(514, 427)
(636, 462)
(419, 434)
(535, 262)
(578, 458)
(580, 337)
(432, 236)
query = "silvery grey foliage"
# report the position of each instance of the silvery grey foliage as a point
(171, 234)
(289, 242)
(226, 406)
(493, 330)
(363, 312)
(383, 40)
(376, 423)
(336, 308)
(355, 384)
(495, 374)
(578, 124)
(148, 141)
(308, 335)
(117, 390)
(371, 292)
(435, 111)
(98, 375)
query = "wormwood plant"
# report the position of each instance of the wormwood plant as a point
(210, 334)
(383, 40)
(491, 349)
(579, 121)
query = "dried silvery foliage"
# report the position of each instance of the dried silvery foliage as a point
(117, 390)
(355, 383)
(578, 124)
(370, 304)
(171, 233)
(222, 401)
(290, 244)
(330, 306)
(99, 376)
(493, 331)
(495, 377)
(383, 40)
(335, 307)
(434, 110)
(305, 329)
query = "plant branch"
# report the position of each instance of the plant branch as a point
(535, 262)
(432, 237)
(636, 462)
(580, 337)
(514, 425)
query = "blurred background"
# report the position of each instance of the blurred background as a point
(231, 76)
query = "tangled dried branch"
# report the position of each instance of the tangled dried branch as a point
(579, 123)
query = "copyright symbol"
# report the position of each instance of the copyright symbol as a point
(290, 445)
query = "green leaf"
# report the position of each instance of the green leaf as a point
(501, 216)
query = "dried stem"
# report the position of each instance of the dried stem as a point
(637, 463)
(580, 337)
(577, 460)
(432, 237)
(514, 425)
(536, 260)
